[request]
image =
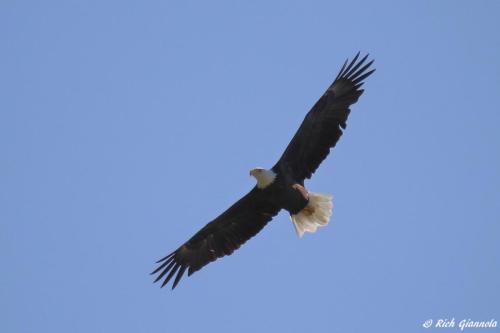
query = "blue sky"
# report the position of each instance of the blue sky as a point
(125, 126)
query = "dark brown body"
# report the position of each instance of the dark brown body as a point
(287, 194)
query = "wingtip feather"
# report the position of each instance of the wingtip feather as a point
(166, 257)
(354, 70)
(179, 276)
(364, 76)
(165, 271)
(341, 70)
(353, 61)
(170, 275)
(356, 66)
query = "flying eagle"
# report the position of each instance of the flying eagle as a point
(282, 186)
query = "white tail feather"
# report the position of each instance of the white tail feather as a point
(316, 214)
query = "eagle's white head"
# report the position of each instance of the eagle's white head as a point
(264, 177)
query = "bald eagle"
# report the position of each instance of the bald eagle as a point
(282, 186)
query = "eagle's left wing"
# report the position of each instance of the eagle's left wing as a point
(219, 238)
(323, 124)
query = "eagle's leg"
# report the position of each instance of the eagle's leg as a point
(302, 190)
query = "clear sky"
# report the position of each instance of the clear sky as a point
(125, 126)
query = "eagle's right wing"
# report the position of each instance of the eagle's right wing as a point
(220, 237)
